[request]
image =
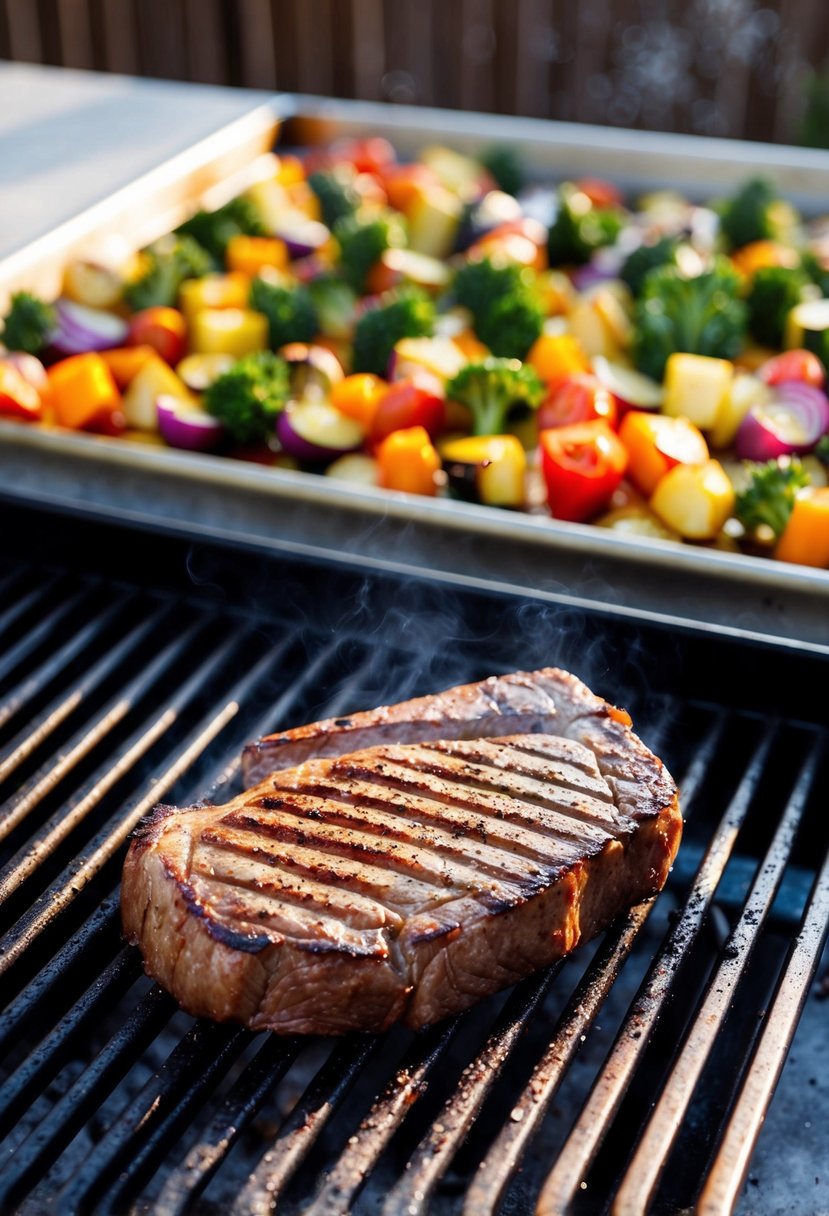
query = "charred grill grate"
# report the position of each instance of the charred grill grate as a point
(635, 1075)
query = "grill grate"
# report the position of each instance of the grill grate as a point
(634, 1075)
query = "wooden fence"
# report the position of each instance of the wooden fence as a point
(719, 67)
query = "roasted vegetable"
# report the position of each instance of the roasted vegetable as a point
(806, 535)
(582, 465)
(768, 499)
(406, 312)
(336, 193)
(81, 389)
(290, 311)
(822, 451)
(407, 460)
(335, 305)
(504, 165)
(646, 258)
(362, 241)
(694, 499)
(486, 468)
(656, 444)
(28, 324)
(702, 316)
(229, 331)
(492, 389)
(168, 263)
(579, 228)
(755, 213)
(775, 291)
(249, 397)
(214, 229)
(695, 388)
(507, 316)
(807, 328)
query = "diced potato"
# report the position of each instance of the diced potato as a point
(457, 173)
(600, 324)
(695, 386)
(229, 331)
(155, 379)
(743, 392)
(637, 519)
(434, 219)
(694, 499)
(271, 200)
(354, 467)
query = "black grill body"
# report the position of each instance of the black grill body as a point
(632, 1077)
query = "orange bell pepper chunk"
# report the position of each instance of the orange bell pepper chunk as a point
(358, 397)
(655, 444)
(760, 254)
(125, 362)
(805, 538)
(407, 460)
(250, 254)
(83, 388)
(557, 356)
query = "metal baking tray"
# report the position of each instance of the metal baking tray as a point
(260, 507)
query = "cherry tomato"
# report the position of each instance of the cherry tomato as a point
(794, 365)
(579, 398)
(583, 465)
(366, 155)
(165, 329)
(407, 404)
(107, 422)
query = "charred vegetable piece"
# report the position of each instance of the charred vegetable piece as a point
(249, 397)
(406, 312)
(768, 500)
(493, 389)
(486, 468)
(29, 323)
(582, 466)
(290, 311)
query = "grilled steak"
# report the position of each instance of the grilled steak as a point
(404, 880)
(520, 703)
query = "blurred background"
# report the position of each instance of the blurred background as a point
(752, 69)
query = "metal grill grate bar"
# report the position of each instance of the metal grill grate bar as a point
(305, 1124)
(107, 774)
(598, 1113)
(651, 1156)
(37, 635)
(731, 1165)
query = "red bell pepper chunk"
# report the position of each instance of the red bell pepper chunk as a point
(583, 465)
(18, 398)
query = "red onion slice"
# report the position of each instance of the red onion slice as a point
(792, 422)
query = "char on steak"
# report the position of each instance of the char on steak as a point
(411, 877)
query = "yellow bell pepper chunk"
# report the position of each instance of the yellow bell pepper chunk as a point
(213, 291)
(229, 331)
(249, 255)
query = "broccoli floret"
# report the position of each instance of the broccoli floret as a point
(492, 389)
(480, 283)
(336, 193)
(579, 228)
(505, 312)
(816, 270)
(335, 304)
(506, 167)
(248, 397)
(775, 290)
(755, 213)
(645, 259)
(290, 311)
(511, 325)
(700, 316)
(213, 230)
(406, 312)
(169, 262)
(769, 497)
(362, 241)
(29, 323)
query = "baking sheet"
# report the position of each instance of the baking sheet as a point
(261, 506)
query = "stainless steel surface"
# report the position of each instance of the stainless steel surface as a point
(266, 507)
